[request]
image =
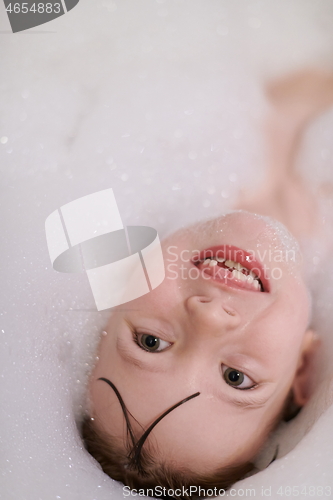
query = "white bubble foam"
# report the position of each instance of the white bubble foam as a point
(90, 85)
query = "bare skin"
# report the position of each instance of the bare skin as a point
(205, 329)
(296, 101)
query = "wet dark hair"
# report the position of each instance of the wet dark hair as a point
(135, 453)
(114, 462)
(138, 467)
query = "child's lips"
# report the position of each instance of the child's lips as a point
(234, 267)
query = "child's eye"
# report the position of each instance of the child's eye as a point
(236, 378)
(150, 342)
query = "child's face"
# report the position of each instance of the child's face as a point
(193, 330)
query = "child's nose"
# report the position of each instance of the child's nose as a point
(212, 313)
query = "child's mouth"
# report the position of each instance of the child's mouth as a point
(233, 266)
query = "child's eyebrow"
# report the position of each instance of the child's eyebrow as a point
(248, 401)
(246, 398)
(251, 403)
(128, 356)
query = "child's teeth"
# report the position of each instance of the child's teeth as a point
(236, 270)
(238, 275)
(242, 277)
(219, 259)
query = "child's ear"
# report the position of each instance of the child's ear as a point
(304, 373)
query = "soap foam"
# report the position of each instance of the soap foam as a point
(85, 108)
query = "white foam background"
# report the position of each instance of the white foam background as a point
(160, 100)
